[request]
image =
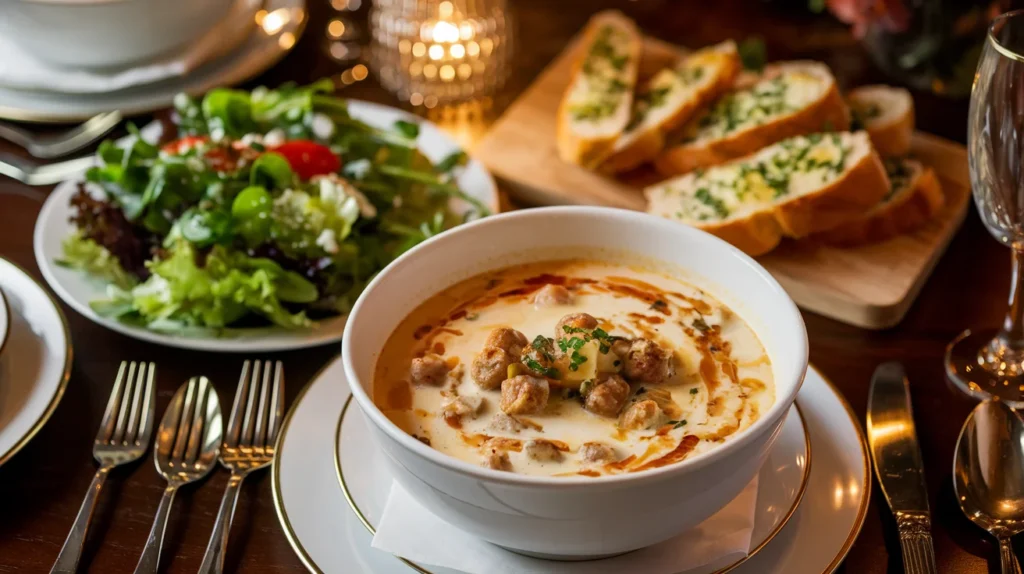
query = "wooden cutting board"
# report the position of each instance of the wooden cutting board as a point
(871, 286)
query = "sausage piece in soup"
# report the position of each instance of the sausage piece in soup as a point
(570, 368)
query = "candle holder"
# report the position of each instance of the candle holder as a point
(432, 52)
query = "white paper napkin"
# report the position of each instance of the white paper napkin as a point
(19, 69)
(412, 532)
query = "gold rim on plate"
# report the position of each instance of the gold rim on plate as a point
(862, 510)
(65, 376)
(6, 310)
(804, 480)
(275, 475)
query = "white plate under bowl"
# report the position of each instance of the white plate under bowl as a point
(36, 361)
(77, 289)
(329, 536)
(365, 479)
(264, 48)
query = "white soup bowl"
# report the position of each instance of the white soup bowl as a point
(576, 517)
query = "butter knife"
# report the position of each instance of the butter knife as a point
(898, 465)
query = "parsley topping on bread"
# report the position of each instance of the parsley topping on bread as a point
(786, 100)
(595, 109)
(796, 187)
(671, 98)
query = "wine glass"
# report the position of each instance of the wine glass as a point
(990, 363)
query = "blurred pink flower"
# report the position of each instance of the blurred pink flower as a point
(890, 14)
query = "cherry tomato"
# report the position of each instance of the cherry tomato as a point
(308, 159)
(184, 144)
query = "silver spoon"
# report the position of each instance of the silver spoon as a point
(988, 475)
(187, 444)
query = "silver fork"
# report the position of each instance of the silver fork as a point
(47, 174)
(123, 437)
(56, 145)
(186, 450)
(248, 445)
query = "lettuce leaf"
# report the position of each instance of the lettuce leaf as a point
(227, 287)
(91, 257)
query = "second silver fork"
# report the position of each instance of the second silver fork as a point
(248, 445)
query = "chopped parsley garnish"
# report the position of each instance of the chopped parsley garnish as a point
(603, 340)
(658, 305)
(704, 196)
(676, 424)
(600, 335)
(899, 175)
(573, 344)
(690, 75)
(768, 177)
(861, 114)
(604, 67)
(694, 391)
(751, 106)
(535, 366)
(575, 360)
(542, 344)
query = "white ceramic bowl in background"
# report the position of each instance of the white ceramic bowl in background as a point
(107, 33)
(576, 517)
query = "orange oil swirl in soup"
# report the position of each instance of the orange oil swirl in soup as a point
(573, 367)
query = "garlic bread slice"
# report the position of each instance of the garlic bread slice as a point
(669, 100)
(796, 187)
(595, 108)
(914, 198)
(887, 113)
(786, 100)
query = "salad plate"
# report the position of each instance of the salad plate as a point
(88, 291)
(329, 535)
(32, 385)
(264, 47)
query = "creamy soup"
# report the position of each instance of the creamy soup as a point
(576, 367)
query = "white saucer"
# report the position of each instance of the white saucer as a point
(36, 361)
(261, 50)
(365, 480)
(329, 537)
(77, 290)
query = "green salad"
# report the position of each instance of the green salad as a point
(270, 207)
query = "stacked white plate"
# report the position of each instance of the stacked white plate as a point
(252, 37)
(35, 358)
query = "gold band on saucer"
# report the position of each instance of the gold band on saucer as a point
(804, 480)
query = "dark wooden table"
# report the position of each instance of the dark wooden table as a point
(42, 487)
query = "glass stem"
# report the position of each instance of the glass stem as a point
(1012, 334)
